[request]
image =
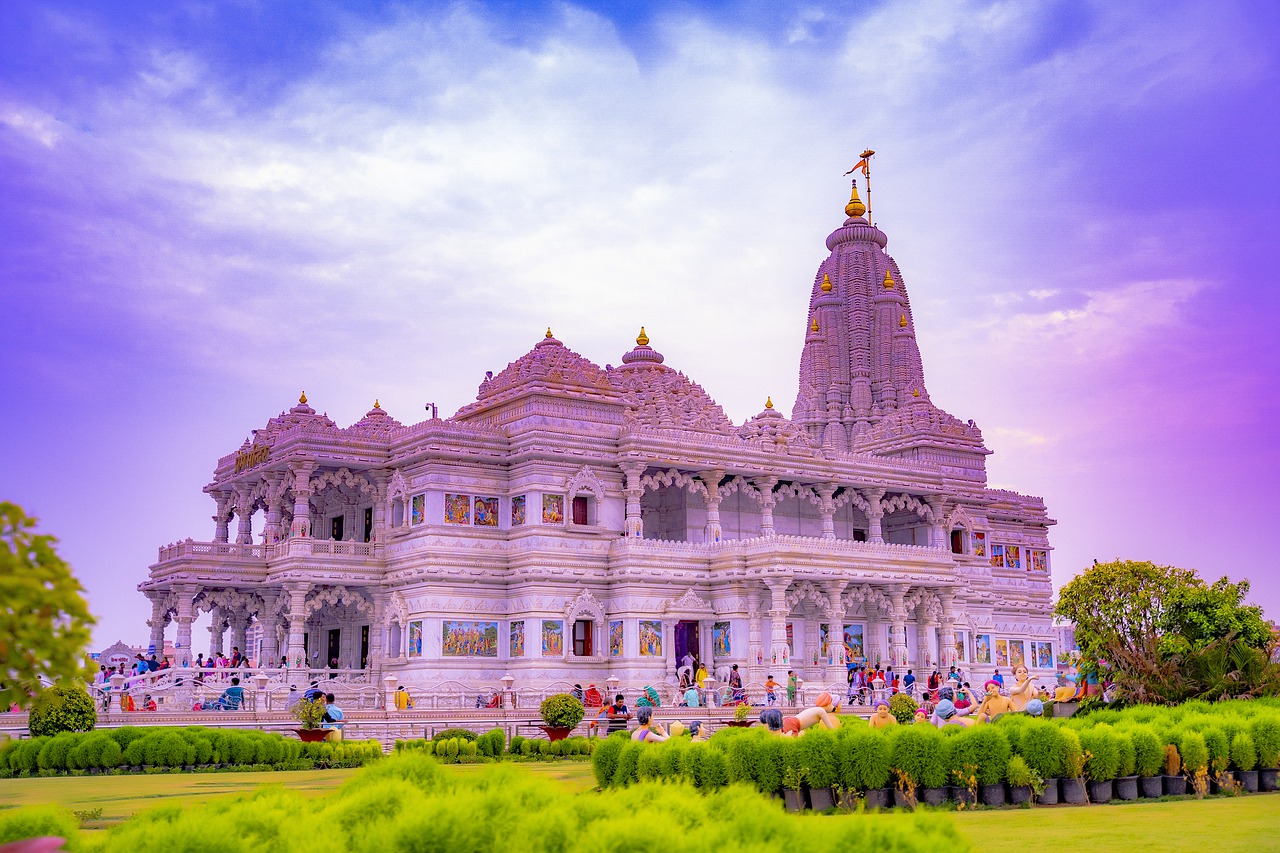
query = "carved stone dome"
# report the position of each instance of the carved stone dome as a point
(376, 424)
(549, 366)
(659, 397)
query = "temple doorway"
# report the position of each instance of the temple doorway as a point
(335, 646)
(364, 646)
(686, 641)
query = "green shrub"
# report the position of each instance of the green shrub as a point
(1244, 756)
(770, 764)
(516, 742)
(1125, 751)
(492, 744)
(62, 708)
(1195, 753)
(451, 748)
(93, 751)
(649, 765)
(903, 707)
(671, 757)
(1019, 772)
(992, 751)
(715, 772)
(448, 734)
(918, 752)
(628, 761)
(37, 822)
(604, 761)
(53, 755)
(547, 748)
(1265, 730)
(25, 757)
(468, 752)
(561, 711)
(1148, 753)
(817, 753)
(864, 760)
(741, 757)
(1102, 755)
(529, 747)
(126, 735)
(1219, 749)
(1072, 753)
(1041, 744)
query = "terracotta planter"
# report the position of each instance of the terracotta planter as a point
(1175, 786)
(1101, 792)
(311, 735)
(821, 799)
(1049, 797)
(933, 796)
(1126, 788)
(992, 795)
(556, 732)
(1249, 780)
(877, 798)
(793, 799)
(1019, 794)
(1267, 779)
(1073, 792)
(1152, 786)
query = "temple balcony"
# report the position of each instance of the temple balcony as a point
(253, 561)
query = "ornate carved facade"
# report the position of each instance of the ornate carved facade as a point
(577, 522)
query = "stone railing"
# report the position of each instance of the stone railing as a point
(812, 544)
(191, 548)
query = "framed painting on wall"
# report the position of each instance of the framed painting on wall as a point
(1043, 653)
(1012, 557)
(1038, 561)
(553, 509)
(720, 639)
(1017, 653)
(979, 544)
(997, 556)
(415, 639)
(615, 638)
(517, 510)
(517, 638)
(1002, 653)
(854, 648)
(651, 638)
(457, 509)
(960, 639)
(418, 509)
(486, 512)
(468, 639)
(552, 637)
(982, 648)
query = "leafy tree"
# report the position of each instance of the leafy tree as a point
(1197, 614)
(44, 623)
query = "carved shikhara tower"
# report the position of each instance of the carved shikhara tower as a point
(578, 522)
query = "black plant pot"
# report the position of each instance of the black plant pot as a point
(821, 799)
(1049, 797)
(900, 800)
(1127, 788)
(793, 799)
(1175, 786)
(1101, 792)
(1249, 780)
(1073, 793)
(1152, 786)
(1019, 794)
(992, 795)
(962, 796)
(878, 798)
(1267, 779)
(933, 796)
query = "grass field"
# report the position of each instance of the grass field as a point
(1242, 823)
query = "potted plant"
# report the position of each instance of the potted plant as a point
(917, 751)
(310, 714)
(1195, 762)
(1126, 783)
(792, 785)
(1101, 759)
(1148, 760)
(1221, 779)
(741, 716)
(1265, 731)
(1244, 755)
(1175, 784)
(561, 714)
(865, 764)
(1042, 747)
(1072, 783)
(993, 753)
(1023, 781)
(816, 752)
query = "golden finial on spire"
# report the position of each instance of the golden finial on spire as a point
(303, 399)
(902, 321)
(826, 283)
(549, 332)
(888, 280)
(768, 403)
(642, 339)
(855, 207)
(814, 327)
(915, 392)
(376, 404)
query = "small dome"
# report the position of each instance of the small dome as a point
(659, 397)
(550, 365)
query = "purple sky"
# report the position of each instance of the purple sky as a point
(205, 208)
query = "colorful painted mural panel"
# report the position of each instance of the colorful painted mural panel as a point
(721, 640)
(651, 638)
(1017, 653)
(457, 509)
(552, 638)
(1043, 654)
(982, 648)
(854, 647)
(517, 638)
(997, 556)
(415, 640)
(418, 511)
(1038, 561)
(486, 512)
(615, 638)
(1002, 653)
(961, 641)
(1012, 557)
(979, 544)
(553, 509)
(517, 510)
(468, 639)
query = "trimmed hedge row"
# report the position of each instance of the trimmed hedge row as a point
(450, 747)
(1212, 739)
(156, 747)
(408, 802)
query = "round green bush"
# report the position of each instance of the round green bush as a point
(62, 708)
(446, 734)
(918, 752)
(992, 751)
(770, 764)
(1195, 753)
(1148, 751)
(817, 753)
(715, 773)
(1244, 755)
(547, 748)
(903, 707)
(451, 747)
(53, 755)
(561, 711)
(1041, 745)
(628, 761)
(865, 762)
(604, 761)
(741, 756)
(1265, 730)
(671, 757)
(1072, 753)
(516, 742)
(1219, 748)
(1102, 754)
(649, 766)
(1125, 751)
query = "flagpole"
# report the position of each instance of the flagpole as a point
(866, 173)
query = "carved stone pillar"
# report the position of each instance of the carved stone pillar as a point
(937, 530)
(706, 648)
(898, 626)
(925, 626)
(301, 501)
(755, 653)
(297, 593)
(780, 652)
(270, 656)
(157, 621)
(633, 491)
(669, 646)
(768, 500)
(216, 627)
(377, 630)
(827, 509)
(220, 516)
(244, 520)
(182, 642)
(947, 630)
(271, 530)
(711, 479)
(239, 632)
(875, 515)
(380, 479)
(835, 629)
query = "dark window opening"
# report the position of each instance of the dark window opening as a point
(368, 524)
(580, 510)
(335, 528)
(364, 646)
(957, 542)
(859, 536)
(582, 638)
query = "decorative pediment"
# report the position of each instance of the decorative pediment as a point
(808, 590)
(585, 604)
(344, 477)
(585, 480)
(336, 596)
(398, 486)
(690, 602)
